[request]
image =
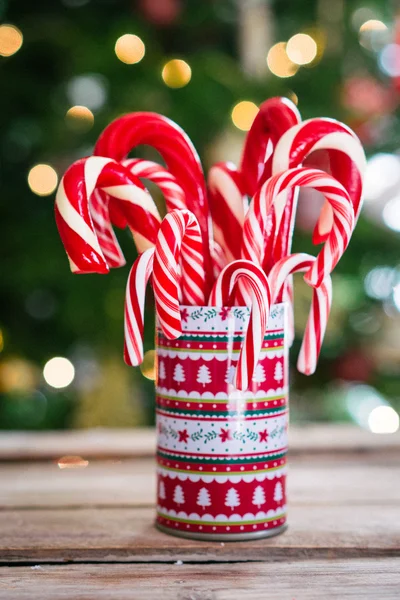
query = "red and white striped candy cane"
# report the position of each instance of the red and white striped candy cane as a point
(228, 206)
(256, 219)
(134, 307)
(74, 220)
(129, 131)
(347, 161)
(319, 312)
(178, 242)
(147, 169)
(276, 115)
(222, 295)
(99, 210)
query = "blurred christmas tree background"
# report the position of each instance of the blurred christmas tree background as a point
(68, 67)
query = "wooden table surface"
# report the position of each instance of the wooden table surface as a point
(87, 532)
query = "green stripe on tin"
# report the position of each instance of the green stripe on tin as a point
(221, 338)
(220, 523)
(214, 350)
(220, 414)
(221, 461)
(224, 473)
(219, 400)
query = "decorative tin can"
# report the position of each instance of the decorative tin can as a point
(221, 453)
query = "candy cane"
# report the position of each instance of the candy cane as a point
(134, 307)
(275, 116)
(179, 238)
(228, 207)
(147, 169)
(339, 236)
(319, 312)
(109, 245)
(182, 160)
(347, 160)
(222, 295)
(72, 210)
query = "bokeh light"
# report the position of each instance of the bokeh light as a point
(373, 25)
(80, 118)
(59, 372)
(383, 419)
(391, 214)
(379, 282)
(301, 49)
(389, 60)
(130, 49)
(42, 179)
(381, 174)
(176, 73)
(1, 341)
(373, 35)
(72, 462)
(243, 114)
(10, 40)
(17, 375)
(148, 367)
(279, 63)
(87, 90)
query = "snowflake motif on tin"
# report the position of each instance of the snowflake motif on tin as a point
(203, 498)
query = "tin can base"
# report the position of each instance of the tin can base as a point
(223, 537)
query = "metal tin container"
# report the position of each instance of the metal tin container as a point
(221, 453)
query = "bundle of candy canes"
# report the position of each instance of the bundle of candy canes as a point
(224, 242)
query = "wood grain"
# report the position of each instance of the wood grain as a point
(339, 480)
(117, 443)
(304, 580)
(128, 534)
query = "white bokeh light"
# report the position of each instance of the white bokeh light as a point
(396, 296)
(59, 372)
(383, 419)
(391, 214)
(87, 90)
(381, 174)
(389, 60)
(379, 282)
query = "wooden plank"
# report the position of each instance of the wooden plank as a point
(343, 479)
(112, 443)
(128, 534)
(304, 580)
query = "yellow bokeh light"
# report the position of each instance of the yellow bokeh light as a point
(293, 97)
(279, 63)
(301, 49)
(243, 114)
(130, 49)
(10, 40)
(373, 25)
(80, 117)
(176, 73)
(72, 462)
(42, 179)
(1, 341)
(59, 372)
(148, 366)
